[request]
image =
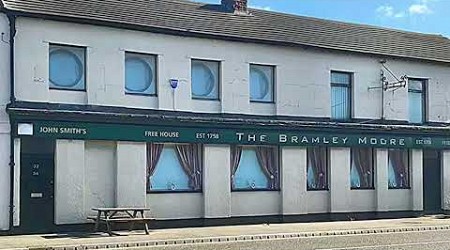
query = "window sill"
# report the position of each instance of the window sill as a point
(138, 94)
(341, 120)
(64, 89)
(318, 190)
(399, 188)
(205, 99)
(262, 102)
(367, 189)
(175, 192)
(254, 190)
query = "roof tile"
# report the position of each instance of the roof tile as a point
(259, 26)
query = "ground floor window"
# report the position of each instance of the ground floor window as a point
(254, 168)
(317, 168)
(362, 168)
(398, 169)
(174, 167)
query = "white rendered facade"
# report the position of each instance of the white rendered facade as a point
(92, 173)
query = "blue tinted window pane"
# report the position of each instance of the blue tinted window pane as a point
(317, 171)
(249, 174)
(140, 74)
(312, 182)
(66, 67)
(261, 83)
(392, 180)
(361, 170)
(340, 102)
(340, 78)
(398, 168)
(205, 79)
(415, 107)
(415, 85)
(169, 174)
(355, 179)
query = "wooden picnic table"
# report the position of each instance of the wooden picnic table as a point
(108, 216)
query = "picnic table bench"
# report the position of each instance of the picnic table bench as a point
(108, 216)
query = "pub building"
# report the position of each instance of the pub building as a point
(216, 114)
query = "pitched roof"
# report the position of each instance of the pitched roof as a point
(199, 19)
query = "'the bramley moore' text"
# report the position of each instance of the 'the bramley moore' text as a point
(320, 140)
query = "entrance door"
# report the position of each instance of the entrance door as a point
(37, 185)
(432, 181)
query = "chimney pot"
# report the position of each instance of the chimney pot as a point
(235, 6)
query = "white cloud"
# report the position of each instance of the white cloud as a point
(389, 11)
(386, 10)
(268, 8)
(420, 9)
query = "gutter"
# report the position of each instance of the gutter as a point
(12, 34)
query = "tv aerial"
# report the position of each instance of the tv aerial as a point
(397, 83)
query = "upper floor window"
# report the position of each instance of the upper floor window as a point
(341, 83)
(174, 167)
(398, 169)
(205, 79)
(254, 168)
(140, 74)
(67, 67)
(262, 83)
(416, 100)
(362, 168)
(317, 168)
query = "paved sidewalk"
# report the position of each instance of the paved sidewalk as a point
(220, 234)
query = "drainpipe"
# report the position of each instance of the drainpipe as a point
(12, 34)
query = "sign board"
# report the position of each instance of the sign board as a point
(121, 132)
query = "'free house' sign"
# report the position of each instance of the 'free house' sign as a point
(93, 131)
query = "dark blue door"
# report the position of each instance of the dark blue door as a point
(432, 181)
(37, 186)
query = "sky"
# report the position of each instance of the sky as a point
(425, 16)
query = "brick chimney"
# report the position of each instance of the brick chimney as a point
(235, 6)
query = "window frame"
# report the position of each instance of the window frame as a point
(219, 80)
(373, 152)
(350, 93)
(274, 82)
(408, 164)
(200, 191)
(327, 168)
(156, 72)
(424, 94)
(278, 162)
(85, 62)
